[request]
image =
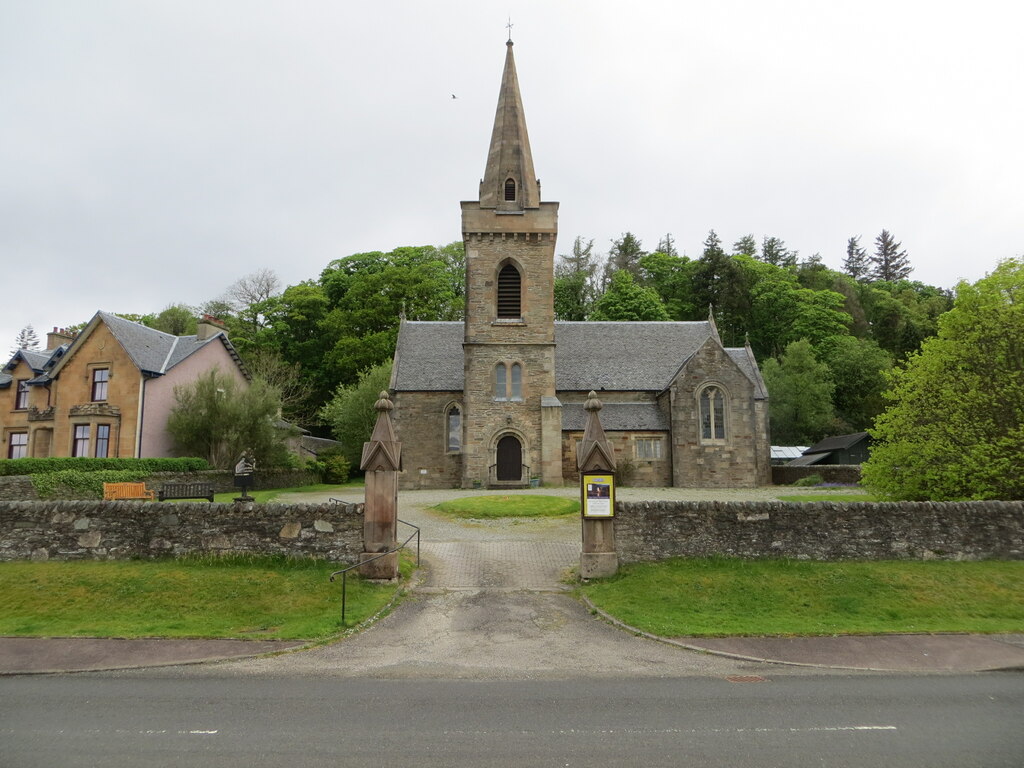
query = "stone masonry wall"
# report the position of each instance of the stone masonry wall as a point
(974, 530)
(118, 530)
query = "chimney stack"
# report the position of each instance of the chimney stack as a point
(208, 327)
(59, 336)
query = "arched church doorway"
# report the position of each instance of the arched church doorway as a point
(509, 460)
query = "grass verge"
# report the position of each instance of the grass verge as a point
(828, 496)
(270, 494)
(722, 596)
(267, 598)
(512, 505)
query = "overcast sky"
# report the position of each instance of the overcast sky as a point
(152, 152)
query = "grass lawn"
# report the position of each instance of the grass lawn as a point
(828, 496)
(267, 496)
(512, 505)
(235, 596)
(722, 596)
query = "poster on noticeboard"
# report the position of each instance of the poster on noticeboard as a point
(598, 495)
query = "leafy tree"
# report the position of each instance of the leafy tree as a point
(746, 245)
(625, 299)
(249, 296)
(350, 413)
(800, 396)
(858, 368)
(889, 262)
(292, 387)
(26, 339)
(719, 282)
(574, 286)
(856, 264)
(175, 319)
(625, 254)
(955, 424)
(216, 418)
(667, 245)
(671, 278)
(774, 251)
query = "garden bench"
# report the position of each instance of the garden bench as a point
(186, 491)
(121, 491)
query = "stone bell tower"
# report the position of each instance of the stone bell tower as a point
(511, 425)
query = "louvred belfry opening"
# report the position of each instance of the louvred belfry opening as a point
(509, 292)
(510, 189)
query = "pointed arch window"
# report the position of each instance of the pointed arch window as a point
(453, 429)
(510, 189)
(510, 289)
(500, 382)
(712, 414)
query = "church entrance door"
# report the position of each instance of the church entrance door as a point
(510, 460)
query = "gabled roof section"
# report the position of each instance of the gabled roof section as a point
(836, 443)
(153, 352)
(744, 358)
(428, 357)
(40, 363)
(509, 155)
(618, 417)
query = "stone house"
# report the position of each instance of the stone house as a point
(107, 391)
(497, 400)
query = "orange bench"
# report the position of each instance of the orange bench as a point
(122, 491)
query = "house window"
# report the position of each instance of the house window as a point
(21, 395)
(80, 447)
(509, 292)
(454, 441)
(17, 445)
(647, 448)
(712, 414)
(517, 382)
(500, 382)
(102, 441)
(100, 377)
(510, 189)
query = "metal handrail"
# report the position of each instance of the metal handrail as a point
(344, 571)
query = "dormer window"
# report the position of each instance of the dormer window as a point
(509, 292)
(510, 189)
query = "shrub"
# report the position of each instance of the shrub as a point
(336, 467)
(82, 485)
(32, 466)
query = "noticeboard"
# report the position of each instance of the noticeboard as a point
(598, 494)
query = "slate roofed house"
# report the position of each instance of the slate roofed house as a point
(841, 449)
(497, 400)
(108, 390)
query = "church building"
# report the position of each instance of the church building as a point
(497, 400)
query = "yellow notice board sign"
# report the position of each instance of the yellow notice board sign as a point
(598, 495)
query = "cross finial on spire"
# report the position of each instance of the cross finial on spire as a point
(509, 26)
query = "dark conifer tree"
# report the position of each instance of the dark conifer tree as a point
(889, 262)
(856, 264)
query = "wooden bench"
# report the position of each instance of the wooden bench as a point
(186, 491)
(122, 491)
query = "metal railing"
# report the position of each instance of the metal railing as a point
(344, 571)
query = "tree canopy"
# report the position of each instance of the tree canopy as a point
(954, 428)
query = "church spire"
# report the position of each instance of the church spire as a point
(509, 182)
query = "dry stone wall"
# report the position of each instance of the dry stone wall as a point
(118, 530)
(974, 530)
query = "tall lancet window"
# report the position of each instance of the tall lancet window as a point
(509, 292)
(712, 414)
(510, 189)
(454, 429)
(500, 382)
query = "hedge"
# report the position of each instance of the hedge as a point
(29, 466)
(68, 483)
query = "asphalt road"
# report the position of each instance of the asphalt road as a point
(152, 719)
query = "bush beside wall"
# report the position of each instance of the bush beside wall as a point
(973, 530)
(119, 530)
(843, 474)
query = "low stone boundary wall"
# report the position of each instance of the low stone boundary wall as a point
(844, 474)
(20, 488)
(974, 530)
(118, 530)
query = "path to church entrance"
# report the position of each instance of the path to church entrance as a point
(493, 604)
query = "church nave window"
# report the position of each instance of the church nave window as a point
(453, 428)
(712, 414)
(509, 292)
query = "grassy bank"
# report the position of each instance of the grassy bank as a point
(237, 596)
(271, 494)
(512, 505)
(720, 596)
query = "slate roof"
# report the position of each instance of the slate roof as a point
(622, 356)
(39, 361)
(836, 443)
(618, 417)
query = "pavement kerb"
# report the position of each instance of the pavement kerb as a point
(711, 651)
